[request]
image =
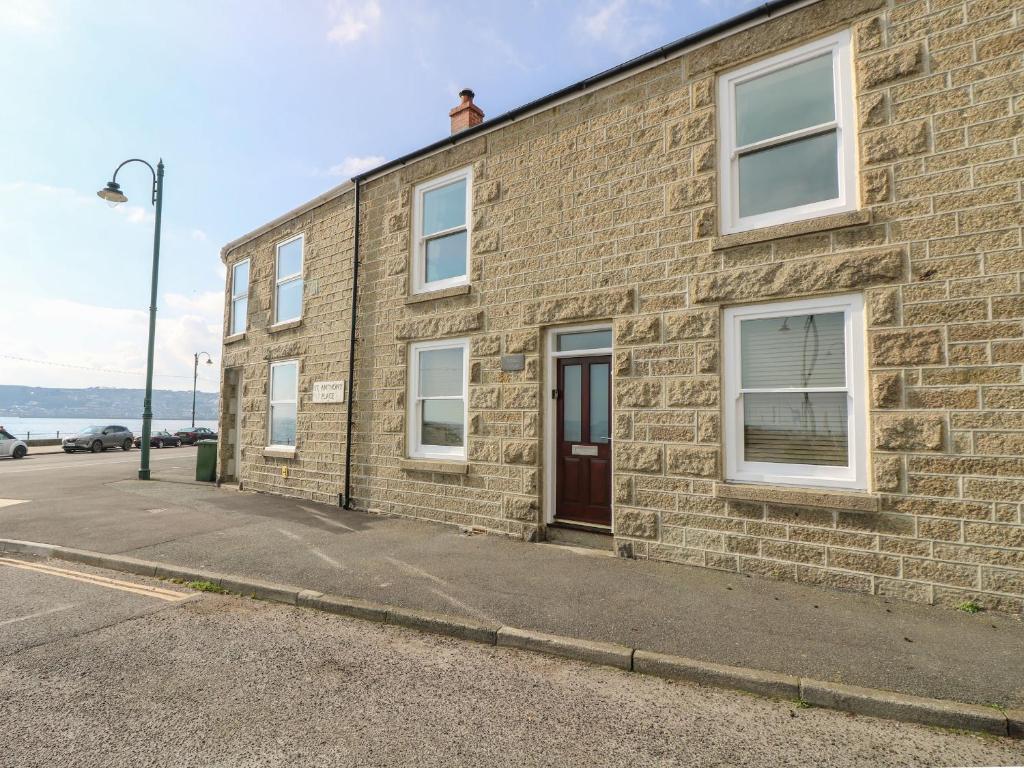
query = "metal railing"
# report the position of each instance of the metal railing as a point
(26, 436)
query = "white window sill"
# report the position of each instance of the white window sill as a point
(835, 498)
(280, 451)
(442, 466)
(285, 325)
(792, 228)
(235, 337)
(440, 293)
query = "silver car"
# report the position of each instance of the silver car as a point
(11, 446)
(98, 439)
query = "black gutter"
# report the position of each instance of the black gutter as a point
(663, 53)
(346, 497)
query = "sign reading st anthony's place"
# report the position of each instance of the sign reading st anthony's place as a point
(328, 391)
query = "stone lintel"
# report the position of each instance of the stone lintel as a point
(803, 277)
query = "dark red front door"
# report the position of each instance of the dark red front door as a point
(584, 453)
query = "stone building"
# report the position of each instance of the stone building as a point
(752, 302)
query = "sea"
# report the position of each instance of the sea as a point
(57, 427)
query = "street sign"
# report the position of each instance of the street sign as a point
(328, 391)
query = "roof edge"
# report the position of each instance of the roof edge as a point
(765, 10)
(326, 197)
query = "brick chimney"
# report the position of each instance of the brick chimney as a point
(467, 114)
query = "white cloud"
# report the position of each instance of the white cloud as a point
(208, 304)
(350, 166)
(25, 190)
(136, 214)
(70, 333)
(199, 235)
(352, 19)
(26, 15)
(625, 26)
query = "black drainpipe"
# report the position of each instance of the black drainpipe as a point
(346, 497)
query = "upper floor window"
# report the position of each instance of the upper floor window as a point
(788, 138)
(441, 232)
(239, 297)
(288, 280)
(795, 409)
(438, 381)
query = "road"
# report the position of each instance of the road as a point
(117, 674)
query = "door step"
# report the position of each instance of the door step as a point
(573, 537)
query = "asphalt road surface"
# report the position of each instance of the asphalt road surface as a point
(103, 669)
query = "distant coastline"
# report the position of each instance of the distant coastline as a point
(103, 403)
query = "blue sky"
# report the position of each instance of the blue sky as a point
(255, 107)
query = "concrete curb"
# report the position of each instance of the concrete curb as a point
(770, 684)
(608, 654)
(343, 606)
(873, 702)
(900, 706)
(443, 624)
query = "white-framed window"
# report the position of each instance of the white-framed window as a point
(441, 232)
(288, 280)
(438, 384)
(239, 297)
(284, 403)
(795, 410)
(788, 137)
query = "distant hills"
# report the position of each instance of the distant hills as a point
(101, 403)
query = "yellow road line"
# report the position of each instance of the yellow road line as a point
(99, 581)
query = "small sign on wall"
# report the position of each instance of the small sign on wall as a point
(328, 391)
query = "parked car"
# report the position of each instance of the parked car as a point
(190, 435)
(11, 446)
(98, 439)
(160, 439)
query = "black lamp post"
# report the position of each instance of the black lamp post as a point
(112, 194)
(195, 378)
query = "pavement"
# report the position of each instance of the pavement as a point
(86, 502)
(102, 668)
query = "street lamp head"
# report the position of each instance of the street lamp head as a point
(112, 194)
(209, 361)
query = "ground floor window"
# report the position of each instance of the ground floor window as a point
(794, 388)
(438, 384)
(284, 389)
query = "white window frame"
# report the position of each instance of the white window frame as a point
(271, 402)
(279, 281)
(237, 296)
(854, 476)
(419, 247)
(844, 124)
(415, 403)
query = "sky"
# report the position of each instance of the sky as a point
(255, 107)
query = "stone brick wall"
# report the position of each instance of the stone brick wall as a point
(604, 208)
(319, 341)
